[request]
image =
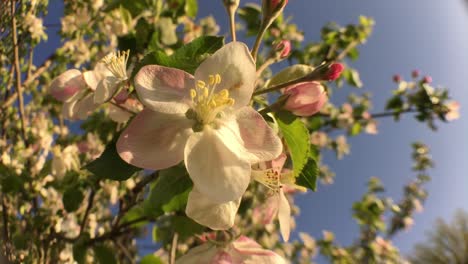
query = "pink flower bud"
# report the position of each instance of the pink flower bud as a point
(415, 73)
(121, 97)
(275, 4)
(334, 71)
(283, 48)
(305, 99)
(397, 78)
(427, 79)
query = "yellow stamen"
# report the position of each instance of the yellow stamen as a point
(116, 62)
(209, 104)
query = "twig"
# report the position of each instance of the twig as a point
(135, 191)
(125, 251)
(6, 237)
(19, 88)
(265, 65)
(343, 54)
(174, 248)
(258, 41)
(88, 209)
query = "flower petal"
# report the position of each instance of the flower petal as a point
(92, 78)
(164, 89)
(217, 216)
(236, 67)
(216, 170)
(106, 89)
(69, 107)
(247, 251)
(118, 115)
(84, 107)
(259, 139)
(67, 84)
(154, 140)
(284, 216)
(201, 254)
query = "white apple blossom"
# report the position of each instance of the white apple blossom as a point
(241, 251)
(205, 121)
(276, 181)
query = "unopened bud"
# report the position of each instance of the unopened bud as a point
(231, 4)
(305, 99)
(427, 79)
(397, 78)
(283, 48)
(121, 97)
(334, 72)
(415, 73)
(272, 9)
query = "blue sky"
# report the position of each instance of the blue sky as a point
(429, 35)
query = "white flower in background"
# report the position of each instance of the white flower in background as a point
(276, 180)
(342, 147)
(34, 25)
(83, 92)
(203, 120)
(65, 160)
(453, 111)
(241, 251)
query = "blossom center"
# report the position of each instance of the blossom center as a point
(116, 62)
(208, 104)
(271, 179)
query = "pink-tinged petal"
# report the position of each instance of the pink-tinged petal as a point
(284, 216)
(222, 257)
(247, 251)
(216, 171)
(92, 78)
(84, 107)
(305, 99)
(217, 216)
(154, 140)
(106, 89)
(118, 115)
(236, 67)
(259, 139)
(66, 85)
(69, 107)
(164, 89)
(278, 163)
(270, 209)
(198, 255)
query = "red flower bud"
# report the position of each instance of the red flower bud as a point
(397, 78)
(415, 73)
(275, 3)
(334, 72)
(427, 79)
(283, 48)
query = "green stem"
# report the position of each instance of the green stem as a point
(258, 41)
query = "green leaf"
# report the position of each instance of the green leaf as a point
(151, 259)
(104, 255)
(169, 193)
(79, 253)
(110, 166)
(290, 73)
(180, 224)
(309, 175)
(186, 58)
(72, 198)
(191, 8)
(355, 129)
(296, 135)
(135, 213)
